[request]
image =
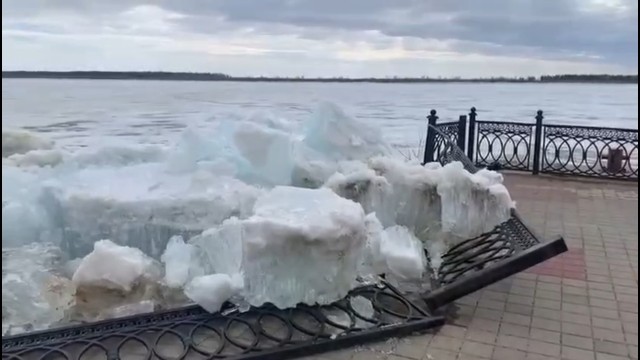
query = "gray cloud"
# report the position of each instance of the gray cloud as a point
(602, 31)
(554, 26)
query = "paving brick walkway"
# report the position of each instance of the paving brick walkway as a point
(582, 305)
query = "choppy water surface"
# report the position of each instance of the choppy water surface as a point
(95, 112)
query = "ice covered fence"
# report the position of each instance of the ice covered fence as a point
(439, 205)
(256, 212)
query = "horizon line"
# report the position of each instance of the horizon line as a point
(212, 76)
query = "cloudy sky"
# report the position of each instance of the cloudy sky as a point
(465, 38)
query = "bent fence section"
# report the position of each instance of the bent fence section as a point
(507, 249)
(260, 333)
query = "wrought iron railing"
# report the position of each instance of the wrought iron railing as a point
(260, 333)
(507, 143)
(541, 148)
(452, 131)
(586, 151)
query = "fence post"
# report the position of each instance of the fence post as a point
(472, 134)
(429, 145)
(462, 132)
(537, 147)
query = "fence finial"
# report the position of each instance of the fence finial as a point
(472, 133)
(432, 117)
(537, 145)
(429, 145)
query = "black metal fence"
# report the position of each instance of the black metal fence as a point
(264, 333)
(540, 148)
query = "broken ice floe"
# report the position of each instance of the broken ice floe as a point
(255, 214)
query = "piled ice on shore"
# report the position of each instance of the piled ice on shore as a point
(260, 213)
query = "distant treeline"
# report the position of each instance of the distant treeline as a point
(187, 76)
(591, 78)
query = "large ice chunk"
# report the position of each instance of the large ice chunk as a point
(248, 150)
(403, 253)
(114, 267)
(325, 238)
(269, 153)
(193, 150)
(372, 263)
(114, 280)
(180, 263)
(472, 203)
(142, 206)
(399, 193)
(302, 246)
(339, 137)
(413, 195)
(439, 205)
(220, 247)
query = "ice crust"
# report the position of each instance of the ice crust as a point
(255, 212)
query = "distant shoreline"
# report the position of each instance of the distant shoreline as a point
(183, 76)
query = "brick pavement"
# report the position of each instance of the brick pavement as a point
(582, 305)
